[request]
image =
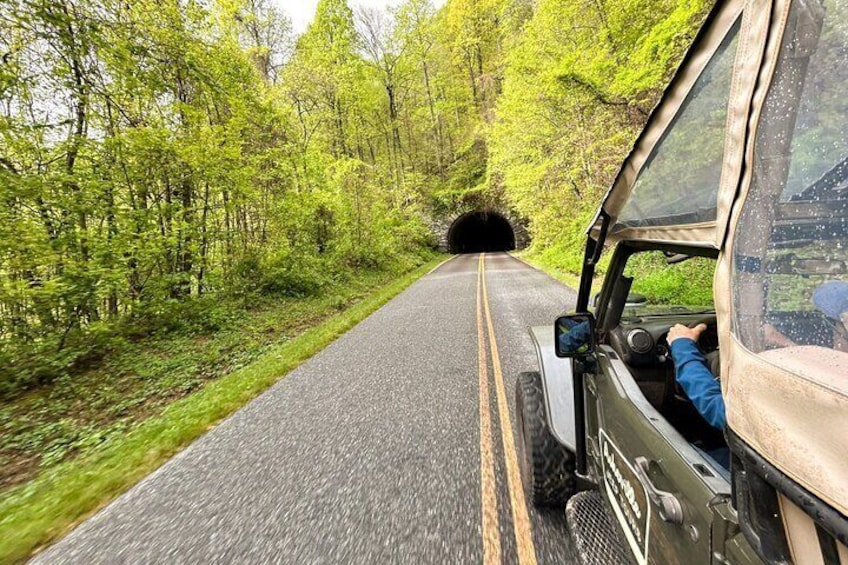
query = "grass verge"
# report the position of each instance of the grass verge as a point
(38, 512)
(537, 260)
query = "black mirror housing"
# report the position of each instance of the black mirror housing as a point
(574, 335)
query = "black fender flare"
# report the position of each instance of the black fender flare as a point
(558, 385)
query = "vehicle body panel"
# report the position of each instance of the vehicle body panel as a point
(619, 415)
(558, 384)
(787, 409)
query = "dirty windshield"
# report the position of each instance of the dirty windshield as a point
(790, 257)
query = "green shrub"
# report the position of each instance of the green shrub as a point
(27, 365)
(685, 284)
(295, 275)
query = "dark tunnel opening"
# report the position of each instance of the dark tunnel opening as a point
(477, 232)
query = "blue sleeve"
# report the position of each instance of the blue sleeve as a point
(700, 385)
(581, 332)
(577, 337)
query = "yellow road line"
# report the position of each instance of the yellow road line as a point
(520, 518)
(491, 529)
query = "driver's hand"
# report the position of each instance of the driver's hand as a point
(679, 330)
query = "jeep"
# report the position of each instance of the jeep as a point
(741, 174)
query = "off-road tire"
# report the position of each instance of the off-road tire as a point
(547, 466)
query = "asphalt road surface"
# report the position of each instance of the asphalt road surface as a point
(380, 449)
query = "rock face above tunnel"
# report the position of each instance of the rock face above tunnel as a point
(477, 231)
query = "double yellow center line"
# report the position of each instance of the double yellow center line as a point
(521, 521)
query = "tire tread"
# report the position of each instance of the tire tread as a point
(547, 465)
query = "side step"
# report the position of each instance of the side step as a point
(593, 531)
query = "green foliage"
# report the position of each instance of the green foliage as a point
(294, 276)
(157, 154)
(656, 46)
(689, 283)
(577, 88)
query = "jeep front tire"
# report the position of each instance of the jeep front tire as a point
(547, 466)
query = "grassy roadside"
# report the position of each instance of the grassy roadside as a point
(38, 512)
(537, 260)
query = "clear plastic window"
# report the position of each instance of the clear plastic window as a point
(790, 282)
(679, 182)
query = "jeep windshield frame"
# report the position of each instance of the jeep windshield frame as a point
(624, 250)
(701, 84)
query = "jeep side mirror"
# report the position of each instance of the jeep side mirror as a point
(574, 335)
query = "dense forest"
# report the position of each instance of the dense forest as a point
(156, 152)
(166, 163)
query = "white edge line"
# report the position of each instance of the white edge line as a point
(440, 265)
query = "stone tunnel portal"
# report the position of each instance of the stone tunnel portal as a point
(480, 231)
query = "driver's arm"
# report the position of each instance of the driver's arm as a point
(694, 375)
(577, 337)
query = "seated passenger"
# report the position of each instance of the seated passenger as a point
(832, 299)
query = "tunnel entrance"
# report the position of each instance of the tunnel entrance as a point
(477, 232)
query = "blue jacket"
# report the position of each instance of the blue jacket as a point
(701, 386)
(577, 337)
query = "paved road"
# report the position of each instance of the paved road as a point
(371, 452)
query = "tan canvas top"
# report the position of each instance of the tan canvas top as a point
(790, 404)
